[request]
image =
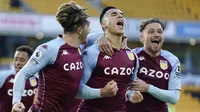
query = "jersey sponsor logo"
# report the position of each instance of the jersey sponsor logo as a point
(27, 92)
(118, 71)
(11, 80)
(65, 52)
(163, 64)
(73, 66)
(154, 73)
(141, 58)
(130, 55)
(33, 81)
(107, 57)
(37, 54)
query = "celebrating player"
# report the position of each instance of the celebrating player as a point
(22, 55)
(117, 70)
(58, 62)
(159, 72)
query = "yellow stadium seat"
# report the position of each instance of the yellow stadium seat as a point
(187, 103)
(164, 9)
(50, 6)
(5, 7)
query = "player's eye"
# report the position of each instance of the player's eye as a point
(151, 31)
(160, 31)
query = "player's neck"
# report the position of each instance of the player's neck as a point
(71, 39)
(151, 53)
(115, 40)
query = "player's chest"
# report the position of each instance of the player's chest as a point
(154, 69)
(121, 63)
(69, 61)
(30, 86)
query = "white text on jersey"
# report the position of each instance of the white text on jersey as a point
(118, 71)
(73, 66)
(154, 73)
(28, 92)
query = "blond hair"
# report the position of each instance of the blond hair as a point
(71, 16)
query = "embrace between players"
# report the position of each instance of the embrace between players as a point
(108, 76)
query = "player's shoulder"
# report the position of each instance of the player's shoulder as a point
(169, 56)
(51, 46)
(137, 50)
(95, 34)
(92, 50)
(4, 75)
(92, 37)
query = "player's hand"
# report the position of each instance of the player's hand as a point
(140, 85)
(124, 42)
(110, 89)
(136, 97)
(105, 46)
(18, 107)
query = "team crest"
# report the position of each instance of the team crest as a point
(130, 55)
(33, 81)
(163, 64)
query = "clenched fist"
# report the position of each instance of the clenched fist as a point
(110, 89)
(18, 107)
(136, 97)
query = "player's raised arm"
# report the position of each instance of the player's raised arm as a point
(40, 58)
(171, 95)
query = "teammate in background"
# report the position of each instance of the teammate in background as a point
(117, 70)
(58, 62)
(159, 75)
(21, 56)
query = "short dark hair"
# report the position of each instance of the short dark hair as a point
(26, 49)
(153, 20)
(104, 11)
(71, 16)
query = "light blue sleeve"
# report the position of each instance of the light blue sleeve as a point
(90, 57)
(41, 57)
(171, 95)
(92, 38)
(4, 75)
(129, 93)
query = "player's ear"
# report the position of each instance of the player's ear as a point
(142, 38)
(79, 30)
(103, 25)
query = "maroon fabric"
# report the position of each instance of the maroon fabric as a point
(6, 93)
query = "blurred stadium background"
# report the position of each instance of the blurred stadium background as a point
(32, 22)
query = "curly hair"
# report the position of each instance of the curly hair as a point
(71, 16)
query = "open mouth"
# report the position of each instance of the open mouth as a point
(120, 23)
(155, 41)
(18, 68)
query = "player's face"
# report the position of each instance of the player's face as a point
(85, 31)
(152, 37)
(20, 59)
(114, 21)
